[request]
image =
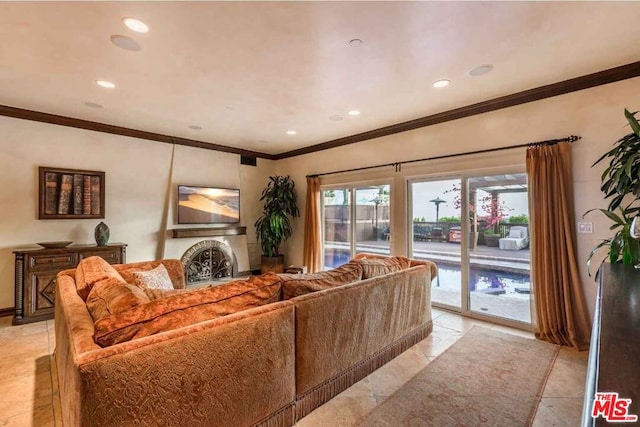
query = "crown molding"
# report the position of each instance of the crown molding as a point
(38, 116)
(567, 86)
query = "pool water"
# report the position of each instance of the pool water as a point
(450, 277)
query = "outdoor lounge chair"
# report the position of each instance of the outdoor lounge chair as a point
(518, 239)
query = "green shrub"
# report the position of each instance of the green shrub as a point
(519, 219)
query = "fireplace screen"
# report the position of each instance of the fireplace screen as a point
(209, 260)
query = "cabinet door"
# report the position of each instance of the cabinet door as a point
(40, 293)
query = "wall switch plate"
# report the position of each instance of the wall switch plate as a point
(585, 227)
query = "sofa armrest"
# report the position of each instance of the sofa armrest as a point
(432, 266)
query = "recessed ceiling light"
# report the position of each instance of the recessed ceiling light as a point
(135, 25)
(195, 127)
(105, 84)
(355, 43)
(291, 132)
(441, 83)
(93, 105)
(480, 70)
(126, 43)
(335, 118)
(354, 113)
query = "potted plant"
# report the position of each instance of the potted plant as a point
(274, 226)
(621, 184)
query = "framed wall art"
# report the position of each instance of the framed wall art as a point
(70, 193)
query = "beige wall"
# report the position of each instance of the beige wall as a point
(141, 175)
(595, 114)
(140, 188)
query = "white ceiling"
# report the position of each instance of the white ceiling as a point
(247, 72)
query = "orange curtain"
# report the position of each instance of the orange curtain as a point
(312, 230)
(561, 314)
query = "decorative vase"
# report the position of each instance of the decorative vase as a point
(102, 234)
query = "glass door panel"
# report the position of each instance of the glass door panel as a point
(336, 206)
(437, 235)
(372, 232)
(499, 266)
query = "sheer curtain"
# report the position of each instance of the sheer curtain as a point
(312, 230)
(561, 314)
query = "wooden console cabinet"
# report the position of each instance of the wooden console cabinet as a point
(614, 353)
(35, 276)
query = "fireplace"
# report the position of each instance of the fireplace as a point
(208, 261)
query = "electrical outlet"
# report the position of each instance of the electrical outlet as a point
(585, 227)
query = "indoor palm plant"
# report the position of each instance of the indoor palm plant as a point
(621, 184)
(274, 226)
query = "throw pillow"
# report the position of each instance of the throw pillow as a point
(158, 278)
(187, 308)
(294, 285)
(374, 267)
(173, 266)
(112, 296)
(92, 270)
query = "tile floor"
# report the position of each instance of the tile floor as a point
(29, 388)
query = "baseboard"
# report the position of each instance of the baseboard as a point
(9, 311)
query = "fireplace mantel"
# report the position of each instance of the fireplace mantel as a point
(208, 232)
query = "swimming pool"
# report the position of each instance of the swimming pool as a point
(513, 284)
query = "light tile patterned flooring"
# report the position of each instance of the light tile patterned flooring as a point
(29, 384)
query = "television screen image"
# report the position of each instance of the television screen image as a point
(208, 205)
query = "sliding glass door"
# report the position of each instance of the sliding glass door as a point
(476, 230)
(436, 235)
(355, 219)
(499, 265)
(336, 208)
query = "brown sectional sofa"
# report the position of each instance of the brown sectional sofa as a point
(268, 365)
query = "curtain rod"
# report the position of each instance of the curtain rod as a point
(397, 165)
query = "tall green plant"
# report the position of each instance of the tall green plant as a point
(280, 206)
(620, 182)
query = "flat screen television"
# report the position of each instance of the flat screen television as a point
(208, 205)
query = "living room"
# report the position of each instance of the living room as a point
(142, 174)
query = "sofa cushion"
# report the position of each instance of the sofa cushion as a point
(374, 267)
(294, 285)
(92, 270)
(188, 308)
(111, 296)
(158, 278)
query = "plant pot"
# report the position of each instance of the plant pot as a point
(473, 240)
(492, 240)
(273, 264)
